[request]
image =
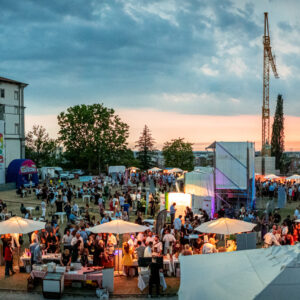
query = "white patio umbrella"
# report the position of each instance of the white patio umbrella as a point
(293, 177)
(155, 169)
(175, 170)
(118, 227)
(271, 176)
(225, 226)
(20, 225)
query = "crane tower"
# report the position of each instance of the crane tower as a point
(269, 60)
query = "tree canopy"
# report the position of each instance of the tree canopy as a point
(39, 147)
(277, 142)
(93, 135)
(146, 150)
(178, 153)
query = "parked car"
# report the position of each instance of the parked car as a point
(70, 175)
(77, 172)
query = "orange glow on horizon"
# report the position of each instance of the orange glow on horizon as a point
(201, 130)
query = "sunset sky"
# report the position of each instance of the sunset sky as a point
(189, 69)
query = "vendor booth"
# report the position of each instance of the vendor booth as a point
(200, 184)
(182, 200)
(23, 172)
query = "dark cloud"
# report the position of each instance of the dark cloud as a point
(131, 53)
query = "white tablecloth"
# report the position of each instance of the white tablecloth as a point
(144, 277)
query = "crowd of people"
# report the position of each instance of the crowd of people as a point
(271, 188)
(111, 199)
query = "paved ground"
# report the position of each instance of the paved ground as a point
(123, 286)
(34, 296)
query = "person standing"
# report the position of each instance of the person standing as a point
(172, 212)
(43, 206)
(8, 258)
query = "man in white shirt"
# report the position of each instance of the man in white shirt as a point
(35, 237)
(131, 241)
(178, 223)
(149, 238)
(76, 238)
(133, 199)
(168, 239)
(157, 246)
(270, 240)
(75, 208)
(43, 206)
(112, 239)
(67, 239)
(122, 201)
(138, 197)
(296, 213)
(209, 247)
(140, 236)
(148, 250)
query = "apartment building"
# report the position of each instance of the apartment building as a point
(12, 119)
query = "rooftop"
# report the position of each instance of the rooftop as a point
(7, 80)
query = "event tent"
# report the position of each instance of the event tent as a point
(271, 177)
(22, 171)
(155, 169)
(116, 169)
(200, 184)
(272, 273)
(294, 177)
(175, 170)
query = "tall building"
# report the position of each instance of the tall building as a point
(12, 119)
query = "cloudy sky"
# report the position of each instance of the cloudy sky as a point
(185, 68)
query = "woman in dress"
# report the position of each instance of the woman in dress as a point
(127, 258)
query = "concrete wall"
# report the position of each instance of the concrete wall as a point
(269, 165)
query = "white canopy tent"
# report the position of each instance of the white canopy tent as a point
(200, 184)
(155, 169)
(271, 177)
(294, 177)
(175, 170)
(116, 169)
(20, 225)
(272, 273)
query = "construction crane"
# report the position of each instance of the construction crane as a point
(269, 60)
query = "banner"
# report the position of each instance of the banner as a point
(28, 167)
(85, 178)
(2, 154)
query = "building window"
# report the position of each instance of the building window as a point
(2, 93)
(16, 95)
(17, 128)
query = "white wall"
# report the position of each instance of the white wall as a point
(12, 151)
(13, 115)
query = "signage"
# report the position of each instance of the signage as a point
(2, 153)
(85, 178)
(28, 167)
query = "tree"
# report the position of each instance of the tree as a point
(277, 142)
(39, 147)
(179, 153)
(146, 150)
(93, 135)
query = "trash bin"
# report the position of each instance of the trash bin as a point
(108, 279)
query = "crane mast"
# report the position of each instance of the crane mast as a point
(269, 61)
